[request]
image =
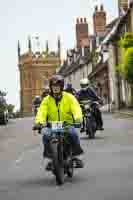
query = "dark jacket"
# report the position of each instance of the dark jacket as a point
(71, 91)
(89, 93)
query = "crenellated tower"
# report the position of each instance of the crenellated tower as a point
(35, 69)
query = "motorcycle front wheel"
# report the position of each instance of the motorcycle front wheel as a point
(90, 128)
(58, 166)
(70, 167)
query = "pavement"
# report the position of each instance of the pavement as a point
(107, 175)
(125, 112)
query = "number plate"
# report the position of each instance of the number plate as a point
(57, 125)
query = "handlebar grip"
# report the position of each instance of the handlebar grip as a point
(37, 127)
(34, 128)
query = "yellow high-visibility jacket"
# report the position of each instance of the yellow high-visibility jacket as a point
(68, 109)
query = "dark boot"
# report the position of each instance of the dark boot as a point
(77, 150)
(82, 130)
(49, 166)
(99, 121)
(44, 153)
(83, 126)
(101, 128)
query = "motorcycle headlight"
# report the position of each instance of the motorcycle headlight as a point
(86, 106)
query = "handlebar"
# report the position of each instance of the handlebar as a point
(38, 127)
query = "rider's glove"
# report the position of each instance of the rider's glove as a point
(37, 127)
(101, 101)
(48, 124)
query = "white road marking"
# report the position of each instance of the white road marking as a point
(19, 159)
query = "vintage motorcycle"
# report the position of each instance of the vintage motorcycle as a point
(35, 109)
(59, 150)
(90, 124)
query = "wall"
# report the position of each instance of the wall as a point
(112, 76)
(80, 73)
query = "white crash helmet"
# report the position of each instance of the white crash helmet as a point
(84, 83)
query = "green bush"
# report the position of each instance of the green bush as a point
(127, 40)
(126, 66)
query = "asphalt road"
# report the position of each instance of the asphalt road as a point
(107, 175)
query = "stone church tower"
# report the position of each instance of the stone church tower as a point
(35, 70)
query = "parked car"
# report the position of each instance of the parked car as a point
(4, 117)
(11, 115)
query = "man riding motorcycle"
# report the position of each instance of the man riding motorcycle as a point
(86, 92)
(70, 89)
(60, 106)
(45, 92)
(36, 103)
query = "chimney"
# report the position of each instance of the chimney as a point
(99, 21)
(19, 49)
(81, 31)
(47, 47)
(59, 46)
(85, 20)
(77, 20)
(96, 8)
(29, 44)
(130, 3)
(101, 8)
(122, 6)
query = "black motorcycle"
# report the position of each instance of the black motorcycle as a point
(59, 151)
(88, 109)
(35, 109)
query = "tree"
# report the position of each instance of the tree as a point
(10, 108)
(2, 93)
(126, 40)
(3, 104)
(17, 114)
(126, 67)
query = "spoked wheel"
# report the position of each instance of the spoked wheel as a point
(58, 166)
(5, 120)
(70, 165)
(59, 172)
(91, 133)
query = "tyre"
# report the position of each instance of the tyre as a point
(58, 166)
(4, 120)
(70, 166)
(90, 128)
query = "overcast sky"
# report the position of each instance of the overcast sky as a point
(45, 18)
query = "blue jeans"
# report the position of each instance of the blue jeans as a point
(72, 133)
